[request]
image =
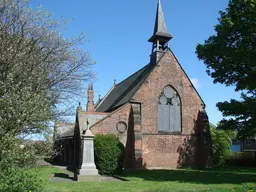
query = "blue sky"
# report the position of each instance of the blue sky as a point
(117, 33)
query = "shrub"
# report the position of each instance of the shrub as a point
(15, 162)
(242, 159)
(221, 143)
(109, 152)
(16, 179)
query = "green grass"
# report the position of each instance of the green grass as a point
(215, 180)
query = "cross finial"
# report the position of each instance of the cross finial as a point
(79, 108)
(87, 130)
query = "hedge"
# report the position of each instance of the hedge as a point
(242, 159)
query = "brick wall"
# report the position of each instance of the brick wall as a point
(144, 146)
(108, 124)
(168, 150)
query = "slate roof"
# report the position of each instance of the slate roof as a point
(63, 129)
(97, 103)
(69, 133)
(124, 91)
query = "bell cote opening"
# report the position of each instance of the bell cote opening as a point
(160, 36)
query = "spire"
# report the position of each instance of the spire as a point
(160, 30)
(160, 36)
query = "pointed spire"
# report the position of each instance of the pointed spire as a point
(160, 31)
(160, 23)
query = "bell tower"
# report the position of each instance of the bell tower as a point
(160, 36)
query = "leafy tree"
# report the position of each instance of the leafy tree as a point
(41, 72)
(230, 58)
(44, 148)
(15, 165)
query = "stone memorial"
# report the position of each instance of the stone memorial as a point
(88, 169)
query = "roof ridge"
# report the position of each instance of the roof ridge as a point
(133, 74)
(105, 97)
(187, 76)
(109, 115)
(151, 71)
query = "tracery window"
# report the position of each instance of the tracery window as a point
(169, 111)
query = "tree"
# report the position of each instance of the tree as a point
(40, 70)
(221, 143)
(41, 73)
(15, 167)
(230, 58)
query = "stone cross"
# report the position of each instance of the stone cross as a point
(87, 130)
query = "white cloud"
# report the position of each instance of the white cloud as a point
(196, 83)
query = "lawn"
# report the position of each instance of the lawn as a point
(214, 180)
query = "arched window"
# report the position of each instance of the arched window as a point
(169, 111)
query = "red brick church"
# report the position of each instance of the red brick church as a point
(156, 113)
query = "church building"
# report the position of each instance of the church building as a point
(156, 113)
